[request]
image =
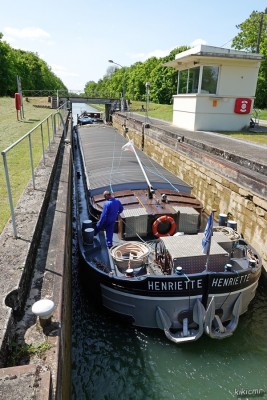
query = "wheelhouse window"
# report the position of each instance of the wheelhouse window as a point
(201, 79)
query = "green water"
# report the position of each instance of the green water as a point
(112, 360)
(115, 361)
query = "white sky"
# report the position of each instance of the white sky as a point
(77, 38)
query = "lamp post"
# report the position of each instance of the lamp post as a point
(123, 84)
(262, 14)
(147, 100)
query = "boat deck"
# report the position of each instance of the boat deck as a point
(106, 162)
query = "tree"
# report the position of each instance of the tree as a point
(132, 80)
(253, 37)
(35, 74)
(252, 33)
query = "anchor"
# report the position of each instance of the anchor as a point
(185, 334)
(213, 325)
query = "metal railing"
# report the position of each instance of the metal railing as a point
(54, 121)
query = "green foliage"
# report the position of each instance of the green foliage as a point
(131, 81)
(252, 33)
(253, 37)
(35, 74)
(21, 351)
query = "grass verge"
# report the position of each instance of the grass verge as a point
(18, 159)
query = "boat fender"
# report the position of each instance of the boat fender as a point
(162, 219)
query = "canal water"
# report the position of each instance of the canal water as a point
(79, 108)
(112, 360)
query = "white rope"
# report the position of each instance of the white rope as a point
(229, 232)
(133, 253)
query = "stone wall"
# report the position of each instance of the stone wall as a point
(215, 190)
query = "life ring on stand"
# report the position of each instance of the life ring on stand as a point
(169, 224)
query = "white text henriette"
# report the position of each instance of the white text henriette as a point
(195, 284)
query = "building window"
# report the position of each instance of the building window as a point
(193, 80)
(189, 82)
(209, 79)
(182, 81)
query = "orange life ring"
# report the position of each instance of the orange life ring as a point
(164, 218)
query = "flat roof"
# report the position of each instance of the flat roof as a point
(202, 53)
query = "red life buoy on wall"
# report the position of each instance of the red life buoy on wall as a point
(17, 101)
(163, 220)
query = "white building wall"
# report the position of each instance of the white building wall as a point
(200, 112)
(237, 79)
(184, 109)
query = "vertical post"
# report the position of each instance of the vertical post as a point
(31, 159)
(21, 97)
(143, 137)
(123, 93)
(147, 100)
(62, 121)
(54, 126)
(209, 233)
(259, 33)
(48, 132)
(123, 85)
(49, 144)
(9, 195)
(42, 136)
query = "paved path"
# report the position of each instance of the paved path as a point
(242, 148)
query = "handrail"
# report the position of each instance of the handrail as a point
(28, 135)
(23, 137)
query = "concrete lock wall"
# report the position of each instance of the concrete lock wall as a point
(44, 250)
(214, 190)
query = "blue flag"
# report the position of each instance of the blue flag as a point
(207, 235)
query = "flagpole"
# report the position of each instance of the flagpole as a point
(209, 242)
(150, 187)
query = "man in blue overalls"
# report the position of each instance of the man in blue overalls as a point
(112, 208)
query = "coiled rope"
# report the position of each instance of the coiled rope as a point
(130, 254)
(229, 232)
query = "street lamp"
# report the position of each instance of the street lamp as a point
(123, 84)
(147, 100)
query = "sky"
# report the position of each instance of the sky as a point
(77, 38)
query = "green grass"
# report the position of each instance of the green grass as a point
(21, 351)
(18, 159)
(259, 137)
(261, 114)
(160, 111)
